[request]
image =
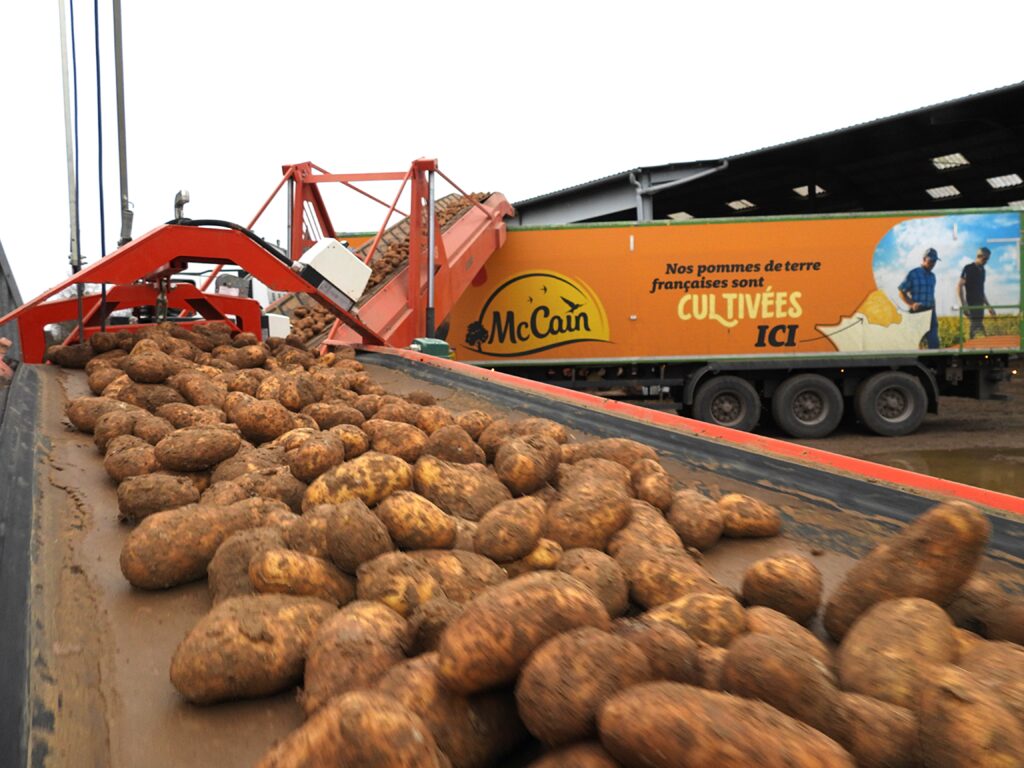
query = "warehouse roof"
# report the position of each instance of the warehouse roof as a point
(959, 154)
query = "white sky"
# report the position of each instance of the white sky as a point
(522, 98)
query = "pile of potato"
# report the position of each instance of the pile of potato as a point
(308, 322)
(452, 589)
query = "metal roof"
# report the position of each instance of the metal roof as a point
(969, 152)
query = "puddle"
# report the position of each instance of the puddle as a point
(995, 469)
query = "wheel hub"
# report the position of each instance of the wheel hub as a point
(727, 408)
(809, 407)
(892, 404)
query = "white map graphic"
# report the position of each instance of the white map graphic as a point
(856, 334)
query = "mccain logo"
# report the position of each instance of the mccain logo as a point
(535, 311)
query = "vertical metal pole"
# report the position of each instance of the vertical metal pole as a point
(430, 254)
(291, 215)
(122, 148)
(75, 255)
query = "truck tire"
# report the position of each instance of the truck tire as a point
(891, 403)
(807, 405)
(728, 401)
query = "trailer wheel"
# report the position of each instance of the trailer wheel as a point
(807, 405)
(891, 403)
(728, 401)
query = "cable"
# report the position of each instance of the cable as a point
(272, 249)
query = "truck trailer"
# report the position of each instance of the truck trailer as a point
(725, 320)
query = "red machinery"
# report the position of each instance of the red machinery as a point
(142, 271)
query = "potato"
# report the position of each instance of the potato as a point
(463, 490)
(416, 523)
(148, 367)
(368, 404)
(647, 527)
(544, 557)
(228, 571)
(453, 443)
(197, 448)
(497, 432)
(152, 428)
(176, 546)
(332, 413)
(183, 415)
(658, 575)
(588, 515)
(671, 653)
(586, 754)
(428, 621)
(589, 471)
(601, 574)
(790, 584)
(465, 530)
(199, 389)
(356, 535)
(398, 410)
(714, 619)
(526, 464)
(510, 530)
(744, 517)
(83, 412)
(462, 575)
(395, 438)
(274, 483)
(978, 600)
(321, 452)
(889, 651)
(246, 647)
(129, 460)
(1000, 666)
(1008, 623)
(247, 381)
(142, 495)
(102, 377)
(931, 558)
(965, 640)
(472, 731)
(477, 651)
(619, 449)
(474, 422)
(766, 621)
(371, 478)
(773, 671)
(665, 724)
(710, 665)
(104, 344)
(249, 461)
(355, 440)
(361, 728)
(398, 581)
(351, 650)
(879, 734)
(433, 417)
(69, 356)
(696, 519)
(651, 483)
(293, 391)
(262, 420)
(307, 533)
(963, 724)
(568, 678)
(285, 572)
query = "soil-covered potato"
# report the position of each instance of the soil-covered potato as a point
(274, 483)
(472, 731)
(222, 494)
(889, 652)
(474, 422)
(767, 621)
(194, 449)
(393, 408)
(415, 522)
(283, 571)
(586, 754)
(931, 558)
(465, 530)
(658, 575)
(262, 420)
(398, 581)
(979, 600)
(100, 378)
(647, 527)
(176, 546)
(671, 652)
(527, 464)
(567, 679)
(768, 668)
(83, 412)
(242, 463)
(293, 391)
(588, 515)
(199, 389)
(651, 483)
(246, 647)
(510, 530)
(879, 734)
(183, 415)
(545, 557)
(463, 490)
(320, 452)
(790, 584)
(368, 404)
(351, 650)
(500, 430)
(69, 356)
(355, 440)
(696, 518)
(371, 478)
(395, 438)
(1000, 666)
(477, 652)
(462, 575)
(619, 449)
(601, 574)
(142, 495)
(671, 725)
(361, 728)
(453, 443)
(355, 536)
(710, 664)
(228, 572)
(332, 413)
(148, 367)
(714, 619)
(963, 724)
(431, 418)
(428, 621)
(744, 517)
(1008, 623)
(129, 456)
(247, 381)
(589, 471)
(152, 428)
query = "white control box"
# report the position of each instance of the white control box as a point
(276, 326)
(335, 271)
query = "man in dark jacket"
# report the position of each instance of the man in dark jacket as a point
(972, 292)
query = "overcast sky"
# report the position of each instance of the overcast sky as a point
(522, 98)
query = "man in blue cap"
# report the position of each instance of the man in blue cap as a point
(918, 291)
